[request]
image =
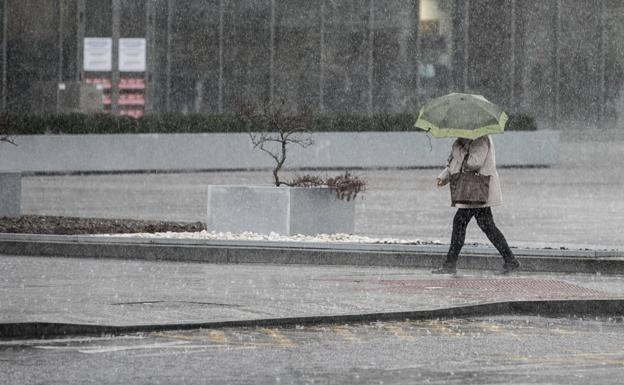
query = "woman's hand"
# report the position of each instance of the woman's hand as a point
(440, 182)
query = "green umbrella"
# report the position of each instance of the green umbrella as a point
(461, 116)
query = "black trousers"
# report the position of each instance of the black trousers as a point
(486, 223)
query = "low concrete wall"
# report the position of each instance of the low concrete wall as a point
(10, 194)
(349, 150)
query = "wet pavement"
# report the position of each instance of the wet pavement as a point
(127, 292)
(571, 205)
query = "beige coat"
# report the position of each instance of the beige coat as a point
(482, 158)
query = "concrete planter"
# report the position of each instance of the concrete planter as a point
(10, 194)
(283, 210)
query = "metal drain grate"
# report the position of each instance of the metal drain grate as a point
(495, 288)
(492, 288)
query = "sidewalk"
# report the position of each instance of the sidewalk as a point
(55, 296)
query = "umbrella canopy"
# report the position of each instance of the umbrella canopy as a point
(461, 116)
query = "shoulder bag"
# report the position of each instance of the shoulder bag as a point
(469, 187)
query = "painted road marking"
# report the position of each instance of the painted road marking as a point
(281, 339)
(67, 340)
(208, 348)
(345, 333)
(176, 336)
(117, 348)
(498, 329)
(253, 338)
(217, 336)
(439, 327)
(399, 332)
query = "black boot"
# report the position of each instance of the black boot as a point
(510, 266)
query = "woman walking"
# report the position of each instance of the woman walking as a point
(475, 155)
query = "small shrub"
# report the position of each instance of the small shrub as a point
(347, 186)
(103, 123)
(307, 181)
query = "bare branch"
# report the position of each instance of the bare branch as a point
(269, 139)
(271, 154)
(8, 140)
(275, 129)
(302, 141)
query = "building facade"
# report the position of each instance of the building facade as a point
(558, 60)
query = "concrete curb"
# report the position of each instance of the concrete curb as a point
(352, 246)
(304, 253)
(594, 308)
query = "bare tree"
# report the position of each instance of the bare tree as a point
(273, 130)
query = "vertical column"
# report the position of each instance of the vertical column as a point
(512, 66)
(418, 54)
(150, 35)
(170, 11)
(466, 42)
(557, 33)
(116, 22)
(322, 61)
(272, 58)
(80, 35)
(371, 40)
(199, 96)
(5, 29)
(603, 78)
(60, 54)
(220, 97)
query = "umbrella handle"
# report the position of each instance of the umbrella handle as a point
(429, 139)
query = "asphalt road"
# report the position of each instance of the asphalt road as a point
(575, 204)
(501, 350)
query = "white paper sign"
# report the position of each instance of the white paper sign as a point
(98, 54)
(132, 54)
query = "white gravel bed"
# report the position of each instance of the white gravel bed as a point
(249, 236)
(328, 238)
